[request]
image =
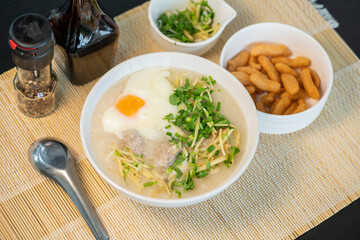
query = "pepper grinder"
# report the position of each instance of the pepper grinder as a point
(32, 48)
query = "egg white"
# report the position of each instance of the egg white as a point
(154, 88)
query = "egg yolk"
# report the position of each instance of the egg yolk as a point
(129, 105)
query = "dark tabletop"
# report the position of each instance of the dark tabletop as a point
(344, 224)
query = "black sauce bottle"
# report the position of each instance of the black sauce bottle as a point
(86, 40)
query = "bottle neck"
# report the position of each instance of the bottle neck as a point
(84, 5)
(87, 12)
(80, 2)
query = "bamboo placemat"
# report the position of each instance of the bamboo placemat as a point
(294, 182)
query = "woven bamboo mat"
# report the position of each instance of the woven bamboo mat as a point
(294, 182)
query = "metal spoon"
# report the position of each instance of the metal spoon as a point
(53, 159)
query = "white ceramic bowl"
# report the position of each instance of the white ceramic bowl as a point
(223, 15)
(249, 130)
(301, 44)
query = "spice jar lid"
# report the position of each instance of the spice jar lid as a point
(31, 41)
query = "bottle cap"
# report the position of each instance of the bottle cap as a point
(31, 41)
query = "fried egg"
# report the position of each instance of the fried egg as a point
(142, 105)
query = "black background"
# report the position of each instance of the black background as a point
(343, 225)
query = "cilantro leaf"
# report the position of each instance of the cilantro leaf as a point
(174, 100)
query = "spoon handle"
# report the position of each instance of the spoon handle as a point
(71, 183)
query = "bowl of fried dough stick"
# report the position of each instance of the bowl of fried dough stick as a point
(286, 71)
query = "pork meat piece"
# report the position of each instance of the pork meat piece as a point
(165, 154)
(134, 141)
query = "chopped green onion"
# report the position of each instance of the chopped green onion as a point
(168, 171)
(116, 153)
(178, 193)
(208, 165)
(210, 148)
(178, 172)
(233, 151)
(149, 184)
(218, 106)
(201, 174)
(126, 170)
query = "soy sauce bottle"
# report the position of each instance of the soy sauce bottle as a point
(86, 40)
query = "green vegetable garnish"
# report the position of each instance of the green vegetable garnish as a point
(199, 118)
(178, 172)
(193, 24)
(126, 170)
(201, 174)
(234, 150)
(210, 148)
(218, 106)
(208, 165)
(199, 115)
(148, 184)
(117, 153)
(204, 136)
(178, 193)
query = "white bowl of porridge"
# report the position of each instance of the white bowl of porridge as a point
(169, 129)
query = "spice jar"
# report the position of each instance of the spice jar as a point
(32, 48)
(86, 40)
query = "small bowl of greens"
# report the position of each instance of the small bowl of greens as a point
(190, 26)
